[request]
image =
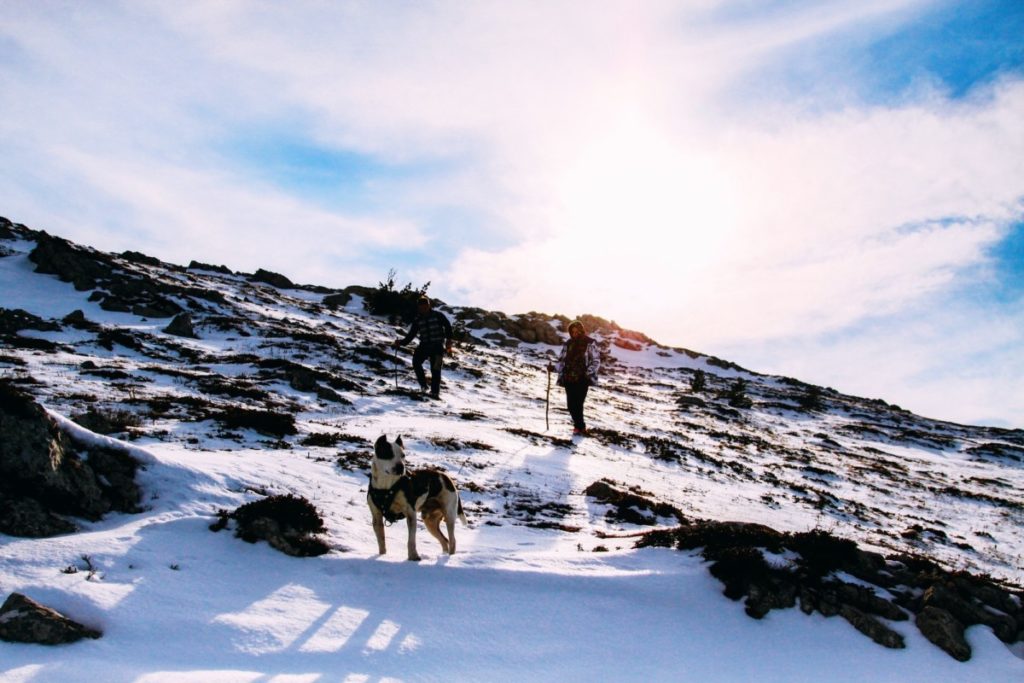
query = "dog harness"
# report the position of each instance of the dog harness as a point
(383, 498)
(413, 485)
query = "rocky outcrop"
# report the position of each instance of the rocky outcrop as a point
(338, 300)
(273, 279)
(23, 620)
(631, 506)
(120, 284)
(44, 475)
(56, 256)
(7, 229)
(16, 319)
(77, 320)
(531, 328)
(223, 270)
(943, 603)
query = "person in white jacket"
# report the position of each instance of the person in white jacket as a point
(577, 369)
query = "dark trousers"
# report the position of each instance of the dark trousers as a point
(435, 355)
(575, 395)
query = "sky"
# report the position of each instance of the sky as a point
(832, 191)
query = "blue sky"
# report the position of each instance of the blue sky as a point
(832, 191)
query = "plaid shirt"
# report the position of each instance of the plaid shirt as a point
(433, 329)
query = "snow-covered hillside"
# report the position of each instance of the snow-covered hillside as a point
(271, 388)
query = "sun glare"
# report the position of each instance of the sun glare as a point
(655, 209)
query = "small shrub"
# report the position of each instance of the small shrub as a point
(262, 421)
(698, 382)
(811, 400)
(737, 394)
(394, 303)
(108, 421)
(285, 522)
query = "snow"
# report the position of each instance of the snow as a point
(178, 602)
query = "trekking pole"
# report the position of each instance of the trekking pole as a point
(547, 401)
(396, 368)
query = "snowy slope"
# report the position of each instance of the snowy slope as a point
(545, 586)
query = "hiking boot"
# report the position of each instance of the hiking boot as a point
(579, 432)
(435, 395)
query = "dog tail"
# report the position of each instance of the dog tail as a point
(462, 513)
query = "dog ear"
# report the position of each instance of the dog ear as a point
(399, 442)
(382, 449)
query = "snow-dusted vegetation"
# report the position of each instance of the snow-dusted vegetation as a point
(834, 520)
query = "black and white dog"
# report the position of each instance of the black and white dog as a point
(396, 492)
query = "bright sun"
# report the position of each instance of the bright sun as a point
(646, 200)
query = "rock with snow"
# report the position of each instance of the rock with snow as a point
(43, 473)
(23, 620)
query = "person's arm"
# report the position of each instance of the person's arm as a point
(447, 332)
(593, 362)
(412, 333)
(560, 363)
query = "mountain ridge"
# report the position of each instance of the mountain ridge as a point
(204, 359)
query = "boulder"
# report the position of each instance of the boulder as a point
(273, 279)
(42, 474)
(23, 620)
(182, 326)
(77, 320)
(872, 628)
(943, 630)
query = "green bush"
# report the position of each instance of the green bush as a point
(698, 382)
(394, 303)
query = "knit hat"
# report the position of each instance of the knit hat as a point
(577, 323)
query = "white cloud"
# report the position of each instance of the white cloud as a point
(606, 148)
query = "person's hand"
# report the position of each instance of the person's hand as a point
(395, 344)
(448, 349)
(551, 366)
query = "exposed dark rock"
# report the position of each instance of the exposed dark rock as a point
(969, 612)
(139, 257)
(944, 603)
(339, 300)
(273, 279)
(872, 628)
(196, 265)
(77, 320)
(57, 256)
(630, 506)
(942, 629)
(6, 232)
(14, 320)
(23, 620)
(685, 402)
(181, 326)
(27, 518)
(40, 465)
(263, 421)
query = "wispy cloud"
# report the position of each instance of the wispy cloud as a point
(710, 172)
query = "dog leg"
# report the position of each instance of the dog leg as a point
(432, 521)
(410, 521)
(378, 530)
(450, 523)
